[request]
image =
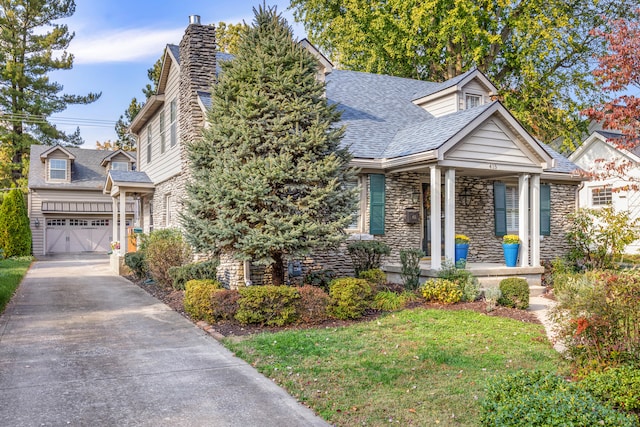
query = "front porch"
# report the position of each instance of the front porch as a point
(488, 274)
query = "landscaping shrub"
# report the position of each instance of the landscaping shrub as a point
(467, 282)
(515, 293)
(197, 298)
(197, 270)
(367, 254)
(312, 304)
(349, 298)
(391, 287)
(267, 305)
(376, 276)
(619, 386)
(136, 263)
(164, 249)
(410, 273)
(319, 278)
(491, 297)
(224, 304)
(442, 291)
(599, 320)
(391, 301)
(15, 234)
(543, 399)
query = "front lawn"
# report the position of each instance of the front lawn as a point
(11, 273)
(415, 367)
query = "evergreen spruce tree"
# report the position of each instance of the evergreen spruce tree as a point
(15, 234)
(268, 175)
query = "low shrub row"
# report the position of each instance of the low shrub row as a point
(538, 398)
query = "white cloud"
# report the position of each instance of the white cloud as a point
(122, 45)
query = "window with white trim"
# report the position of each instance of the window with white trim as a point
(601, 196)
(168, 206)
(355, 217)
(472, 100)
(79, 222)
(57, 169)
(162, 133)
(512, 205)
(56, 222)
(148, 144)
(173, 122)
(119, 166)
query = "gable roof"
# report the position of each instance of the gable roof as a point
(55, 148)
(606, 137)
(113, 154)
(133, 180)
(86, 170)
(458, 81)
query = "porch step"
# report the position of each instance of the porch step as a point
(534, 290)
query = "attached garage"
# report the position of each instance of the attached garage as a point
(73, 235)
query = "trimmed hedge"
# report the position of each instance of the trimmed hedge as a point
(197, 270)
(515, 293)
(267, 305)
(544, 399)
(442, 291)
(312, 304)
(349, 298)
(224, 304)
(375, 276)
(197, 298)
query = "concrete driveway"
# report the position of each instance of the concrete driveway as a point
(80, 346)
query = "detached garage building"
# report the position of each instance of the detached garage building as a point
(67, 208)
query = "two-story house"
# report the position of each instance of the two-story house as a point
(434, 159)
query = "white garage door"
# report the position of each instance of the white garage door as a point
(71, 235)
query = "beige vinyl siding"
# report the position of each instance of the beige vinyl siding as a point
(39, 195)
(442, 106)
(489, 141)
(163, 165)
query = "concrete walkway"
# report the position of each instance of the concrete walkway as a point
(82, 347)
(540, 307)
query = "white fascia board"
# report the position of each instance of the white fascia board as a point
(427, 156)
(489, 166)
(477, 74)
(167, 60)
(439, 94)
(152, 105)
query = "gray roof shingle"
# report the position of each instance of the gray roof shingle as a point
(437, 87)
(130, 177)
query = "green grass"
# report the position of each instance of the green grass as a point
(11, 273)
(415, 367)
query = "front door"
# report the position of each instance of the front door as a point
(426, 206)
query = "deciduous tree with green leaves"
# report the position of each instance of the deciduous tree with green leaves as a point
(268, 175)
(32, 45)
(537, 52)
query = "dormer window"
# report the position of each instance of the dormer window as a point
(57, 169)
(119, 166)
(473, 100)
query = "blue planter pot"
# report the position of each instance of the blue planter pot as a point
(462, 249)
(511, 253)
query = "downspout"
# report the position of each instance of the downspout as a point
(578, 188)
(247, 273)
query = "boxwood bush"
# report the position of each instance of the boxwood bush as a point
(374, 276)
(267, 305)
(543, 399)
(349, 297)
(197, 270)
(224, 304)
(515, 293)
(312, 304)
(197, 298)
(367, 254)
(442, 291)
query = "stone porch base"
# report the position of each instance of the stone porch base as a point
(488, 274)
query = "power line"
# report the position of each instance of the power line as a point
(62, 120)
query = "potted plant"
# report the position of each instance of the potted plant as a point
(511, 247)
(462, 249)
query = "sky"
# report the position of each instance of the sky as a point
(116, 41)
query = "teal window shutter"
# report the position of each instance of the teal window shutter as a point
(500, 208)
(545, 209)
(376, 211)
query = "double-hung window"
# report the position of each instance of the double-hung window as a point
(58, 169)
(507, 205)
(149, 137)
(601, 196)
(472, 100)
(119, 166)
(162, 135)
(355, 218)
(173, 122)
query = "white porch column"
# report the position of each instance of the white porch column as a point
(114, 220)
(436, 210)
(535, 220)
(450, 214)
(523, 218)
(123, 222)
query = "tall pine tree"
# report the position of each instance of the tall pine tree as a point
(268, 175)
(32, 46)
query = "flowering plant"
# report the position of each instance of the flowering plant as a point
(511, 239)
(462, 239)
(115, 245)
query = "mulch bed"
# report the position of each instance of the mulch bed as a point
(174, 299)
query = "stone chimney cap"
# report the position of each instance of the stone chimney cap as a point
(194, 19)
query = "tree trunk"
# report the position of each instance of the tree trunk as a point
(277, 270)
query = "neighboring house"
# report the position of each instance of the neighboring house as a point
(68, 210)
(597, 150)
(424, 150)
